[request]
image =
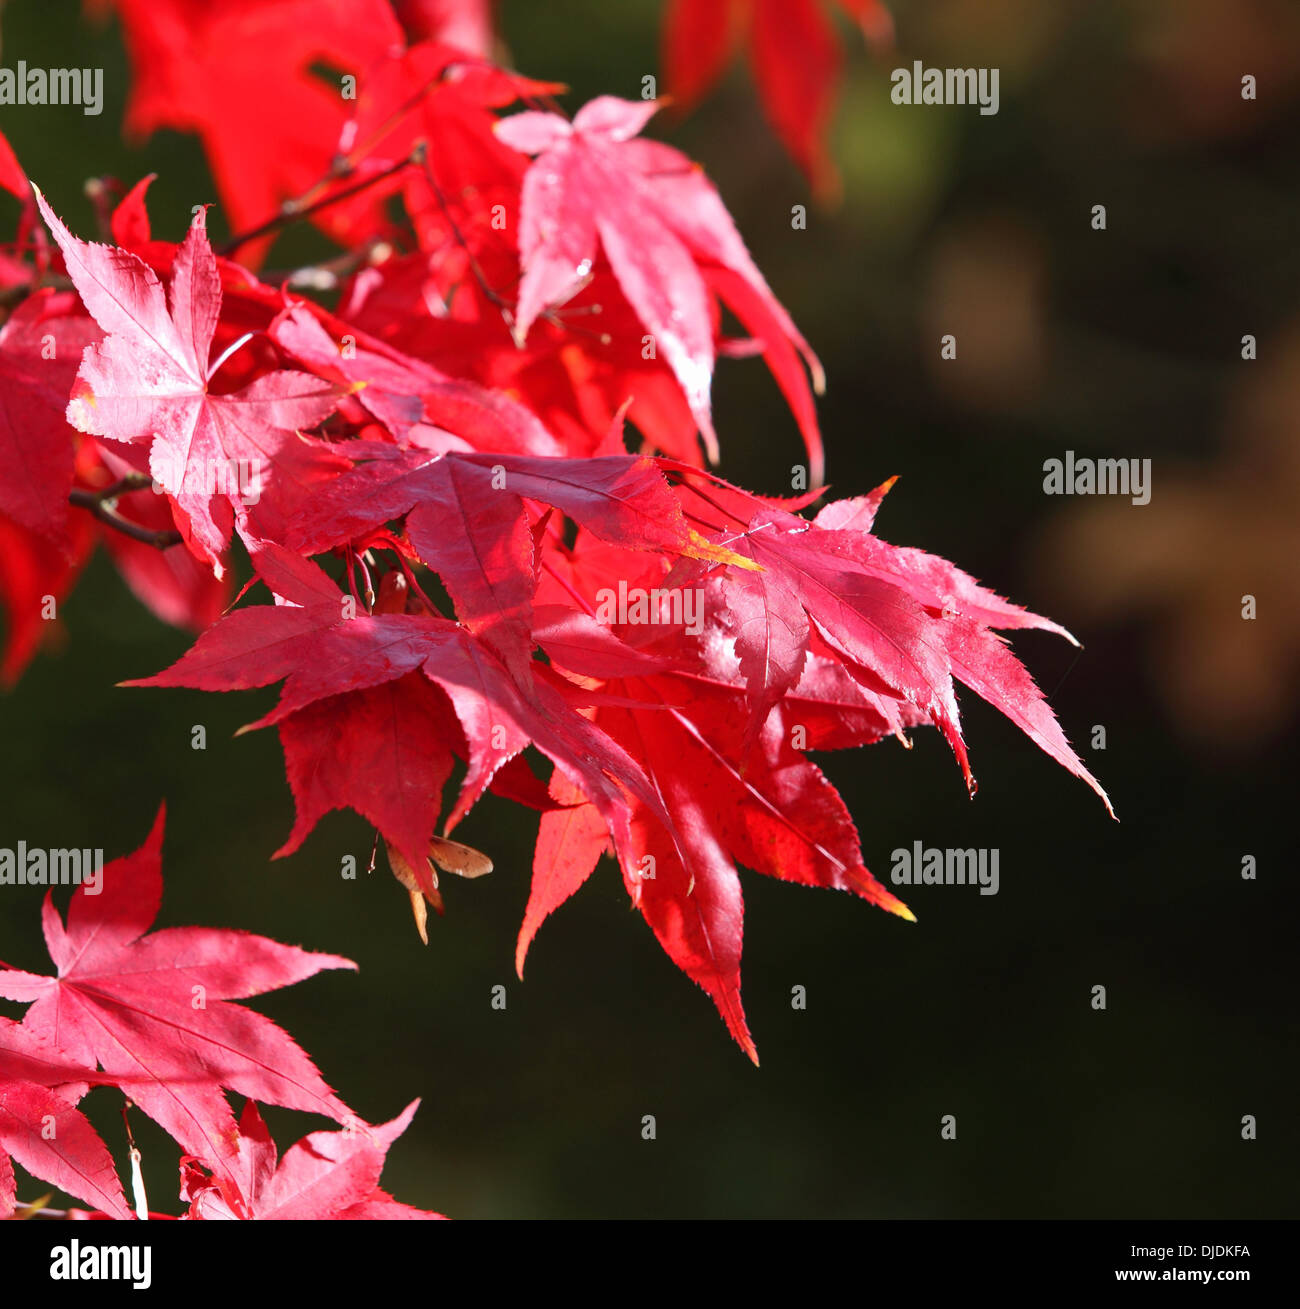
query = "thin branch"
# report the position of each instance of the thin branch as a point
(103, 504)
(129, 482)
(292, 210)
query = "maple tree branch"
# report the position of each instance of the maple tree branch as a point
(128, 482)
(103, 505)
(292, 210)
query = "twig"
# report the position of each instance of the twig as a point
(292, 210)
(103, 504)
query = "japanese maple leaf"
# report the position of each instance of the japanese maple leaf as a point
(488, 565)
(887, 634)
(40, 348)
(777, 815)
(205, 66)
(42, 1128)
(149, 380)
(402, 392)
(905, 623)
(840, 637)
(153, 1011)
(796, 58)
(359, 732)
(332, 1175)
(732, 801)
(12, 177)
(664, 230)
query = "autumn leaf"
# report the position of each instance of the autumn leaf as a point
(149, 380)
(796, 58)
(660, 224)
(153, 1009)
(203, 66)
(39, 349)
(42, 1128)
(323, 648)
(327, 1175)
(52, 1139)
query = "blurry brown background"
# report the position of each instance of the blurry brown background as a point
(1120, 344)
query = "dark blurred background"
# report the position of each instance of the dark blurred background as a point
(1123, 343)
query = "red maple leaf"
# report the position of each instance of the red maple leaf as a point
(326, 649)
(42, 1128)
(333, 1175)
(150, 380)
(40, 348)
(153, 1011)
(41, 460)
(796, 57)
(769, 808)
(664, 230)
(840, 635)
(205, 65)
